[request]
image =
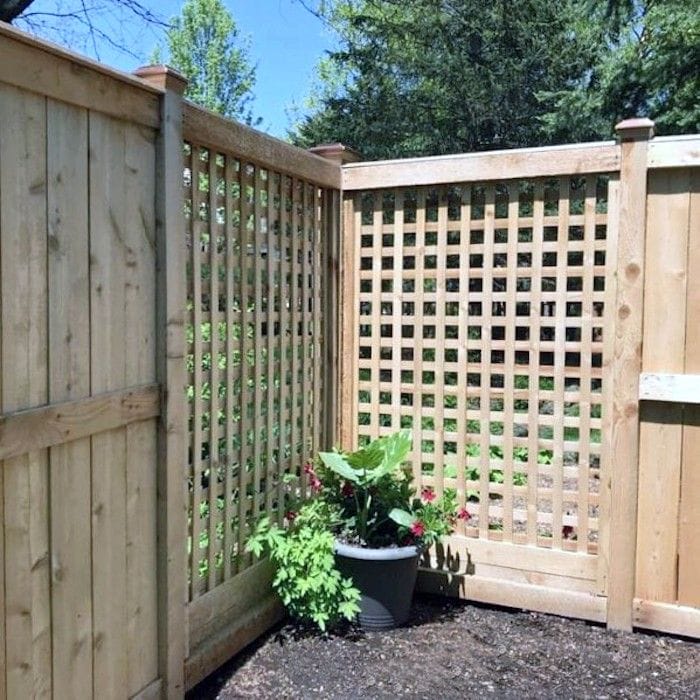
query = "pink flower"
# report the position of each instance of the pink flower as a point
(315, 483)
(463, 514)
(417, 529)
(347, 491)
(428, 495)
(309, 468)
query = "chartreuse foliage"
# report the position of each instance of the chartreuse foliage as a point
(205, 44)
(307, 580)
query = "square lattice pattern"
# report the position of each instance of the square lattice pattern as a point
(482, 327)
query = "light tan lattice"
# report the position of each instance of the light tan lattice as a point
(254, 343)
(481, 327)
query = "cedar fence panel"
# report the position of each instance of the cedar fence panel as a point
(260, 217)
(78, 377)
(190, 309)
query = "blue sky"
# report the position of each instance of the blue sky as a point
(286, 42)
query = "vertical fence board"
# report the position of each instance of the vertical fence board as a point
(625, 372)
(689, 520)
(111, 253)
(141, 437)
(24, 354)
(69, 362)
(660, 431)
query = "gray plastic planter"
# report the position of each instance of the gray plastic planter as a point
(385, 578)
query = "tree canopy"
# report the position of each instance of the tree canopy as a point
(416, 77)
(205, 44)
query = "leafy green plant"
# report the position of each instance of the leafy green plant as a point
(307, 580)
(375, 498)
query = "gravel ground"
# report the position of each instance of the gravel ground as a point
(452, 649)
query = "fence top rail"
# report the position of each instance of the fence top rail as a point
(39, 66)
(224, 135)
(674, 152)
(571, 159)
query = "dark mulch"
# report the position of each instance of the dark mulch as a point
(453, 649)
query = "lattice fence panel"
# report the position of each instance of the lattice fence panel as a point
(482, 327)
(256, 249)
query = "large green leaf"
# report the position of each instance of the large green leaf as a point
(337, 463)
(402, 517)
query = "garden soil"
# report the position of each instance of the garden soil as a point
(452, 649)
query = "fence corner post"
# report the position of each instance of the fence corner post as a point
(634, 136)
(340, 297)
(170, 364)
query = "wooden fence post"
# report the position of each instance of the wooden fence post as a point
(634, 135)
(170, 359)
(340, 301)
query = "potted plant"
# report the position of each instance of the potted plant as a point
(354, 548)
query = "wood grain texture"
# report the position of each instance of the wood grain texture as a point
(40, 67)
(69, 380)
(479, 167)
(626, 366)
(24, 350)
(210, 129)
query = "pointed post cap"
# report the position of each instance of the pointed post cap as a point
(637, 129)
(163, 77)
(336, 152)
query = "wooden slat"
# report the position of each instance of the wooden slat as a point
(670, 388)
(285, 293)
(607, 396)
(465, 213)
(214, 406)
(625, 372)
(587, 311)
(534, 394)
(479, 167)
(170, 297)
(257, 394)
(38, 66)
(69, 360)
(25, 606)
(417, 338)
(665, 617)
(660, 432)
(438, 388)
(230, 344)
(110, 253)
(515, 595)
(689, 515)
(141, 437)
(674, 152)
(247, 233)
(509, 360)
(205, 127)
(349, 340)
(272, 478)
(486, 367)
(397, 312)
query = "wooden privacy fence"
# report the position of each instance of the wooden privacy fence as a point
(495, 303)
(162, 371)
(184, 322)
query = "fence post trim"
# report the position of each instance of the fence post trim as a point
(634, 135)
(170, 363)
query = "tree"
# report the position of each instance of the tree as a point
(86, 25)
(418, 77)
(205, 44)
(650, 67)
